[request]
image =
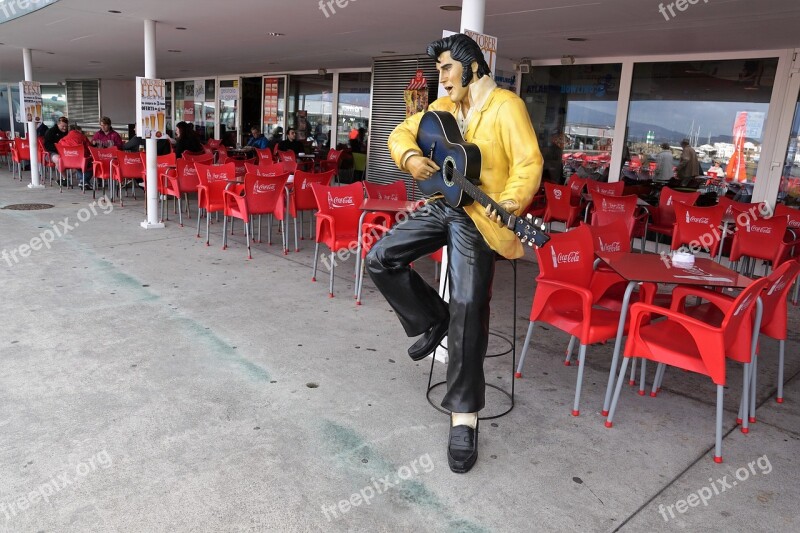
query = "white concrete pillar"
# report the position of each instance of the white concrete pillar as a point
(473, 15)
(152, 221)
(34, 184)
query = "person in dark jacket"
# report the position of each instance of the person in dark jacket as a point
(291, 143)
(55, 134)
(186, 139)
(136, 144)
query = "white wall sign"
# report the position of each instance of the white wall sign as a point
(30, 101)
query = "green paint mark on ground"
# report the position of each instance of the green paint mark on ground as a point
(349, 449)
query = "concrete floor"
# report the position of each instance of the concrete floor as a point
(151, 383)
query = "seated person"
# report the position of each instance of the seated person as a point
(257, 139)
(291, 143)
(55, 134)
(76, 138)
(277, 137)
(41, 129)
(186, 139)
(106, 137)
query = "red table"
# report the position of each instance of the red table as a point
(655, 268)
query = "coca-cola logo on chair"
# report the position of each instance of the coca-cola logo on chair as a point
(557, 194)
(263, 188)
(71, 153)
(337, 202)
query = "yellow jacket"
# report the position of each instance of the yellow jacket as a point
(511, 163)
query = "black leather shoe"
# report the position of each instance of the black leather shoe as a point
(429, 340)
(462, 450)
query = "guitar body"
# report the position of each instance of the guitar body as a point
(440, 139)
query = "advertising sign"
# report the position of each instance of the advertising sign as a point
(150, 108)
(270, 100)
(30, 101)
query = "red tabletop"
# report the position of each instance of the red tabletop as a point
(658, 269)
(389, 206)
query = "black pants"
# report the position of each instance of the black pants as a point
(419, 306)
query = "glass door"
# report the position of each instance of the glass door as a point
(228, 117)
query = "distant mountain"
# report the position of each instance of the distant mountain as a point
(637, 131)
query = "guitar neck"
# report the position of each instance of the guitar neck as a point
(474, 192)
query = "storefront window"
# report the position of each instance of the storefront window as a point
(228, 109)
(194, 103)
(353, 110)
(311, 107)
(573, 109)
(719, 106)
(168, 97)
(54, 103)
(789, 192)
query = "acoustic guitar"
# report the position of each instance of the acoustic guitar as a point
(459, 175)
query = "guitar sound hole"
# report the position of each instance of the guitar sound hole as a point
(447, 171)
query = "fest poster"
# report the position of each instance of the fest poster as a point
(416, 94)
(150, 108)
(30, 101)
(270, 101)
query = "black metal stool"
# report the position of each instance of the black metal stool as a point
(512, 349)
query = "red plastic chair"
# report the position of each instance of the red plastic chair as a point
(266, 169)
(20, 152)
(760, 238)
(213, 180)
(264, 156)
(101, 165)
(127, 166)
(71, 158)
(5, 148)
(609, 189)
(563, 297)
(45, 158)
(259, 195)
(392, 191)
(698, 227)
(690, 344)
(182, 180)
(301, 198)
(576, 186)
(559, 206)
(163, 164)
(607, 209)
(663, 217)
(331, 162)
(337, 221)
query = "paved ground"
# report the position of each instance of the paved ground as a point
(151, 383)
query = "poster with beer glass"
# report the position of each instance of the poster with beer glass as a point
(30, 101)
(150, 108)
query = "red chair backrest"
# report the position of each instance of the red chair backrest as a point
(239, 164)
(163, 162)
(698, 227)
(187, 175)
(558, 200)
(302, 194)
(568, 257)
(392, 191)
(793, 214)
(576, 185)
(267, 169)
(607, 209)
(758, 237)
(334, 155)
(102, 158)
(71, 157)
(129, 165)
(264, 193)
(214, 143)
(774, 320)
(610, 189)
(264, 156)
(214, 174)
(668, 199)
(611, 237)
(342, 203)
(22, 149)
(737, 327)
(286, 155)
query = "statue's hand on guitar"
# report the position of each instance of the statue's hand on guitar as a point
(421, 167)
(509, 205)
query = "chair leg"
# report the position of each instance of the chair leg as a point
(781, 346)
(208, 228)
(269, 229)
(285, 236)
(617, 390)
(180, 211)
(225, 233)
(294, 220)
(198, 221)
(632, 379)
(524, 350)
(360, 282)
(579, 385)
(642, 380)
(745, 400)
(718, 440)
(333, 268)
(570, 346)
(316, 254)
(753, 379)
(247, 236)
